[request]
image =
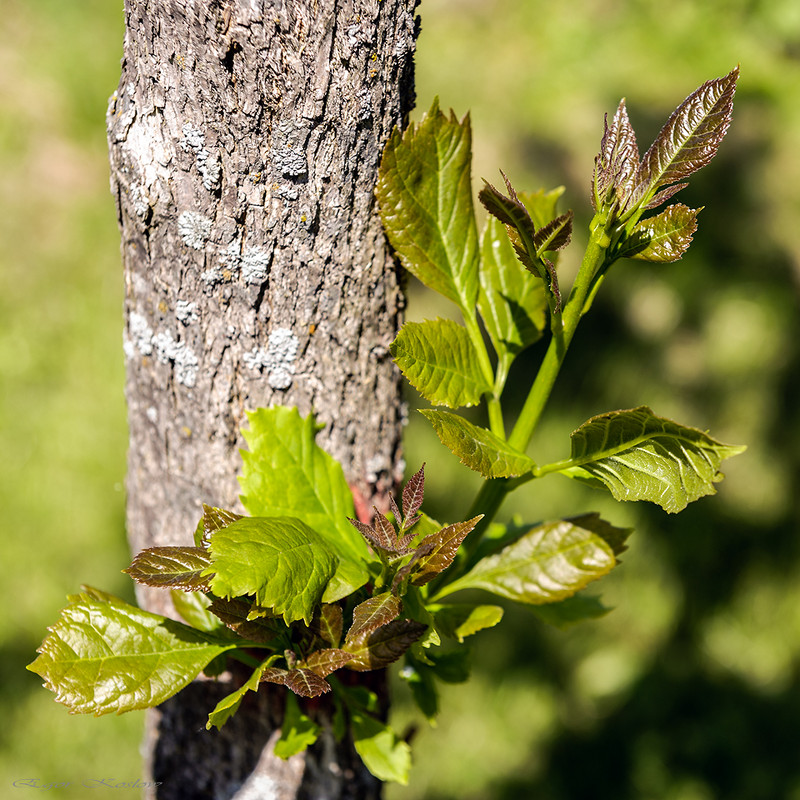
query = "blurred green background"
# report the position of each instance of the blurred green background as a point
(690, 688)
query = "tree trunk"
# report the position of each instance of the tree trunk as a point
(245, 137)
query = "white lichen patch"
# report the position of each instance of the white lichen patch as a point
(152, 414)
(150, 154)
(184, 361)
(141, 334)
(288, 156)
(277, 359)
(255, 265)
(194, 229)
(207, 165)
(140, 337)
(186, 312)
(139, 200)
(227, 269)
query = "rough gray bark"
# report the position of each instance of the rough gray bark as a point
(244, 138)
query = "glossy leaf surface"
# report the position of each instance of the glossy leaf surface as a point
(381, 647)
(639, 456)
(477, 447)
(548, 563)
(236, 614)
(618, 161)
(373, 614)
(229, 705)
(171, 568)
(664, 237)
(512, 302)
(280, 560)
(215, 519)
(194, 609)
(438, 550)
(323, 662)
(106, 656)
(691, 136)
(459, 620)
(285, 473)
(439, 360)
(385, 756)
(301, 680)
(425, 195)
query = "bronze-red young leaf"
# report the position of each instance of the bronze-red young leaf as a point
(413, 493)
(327, 624)
(691, 136)
(373, 613)
(323, 662)
(171, 568)
(618, 160)
(300, 680)
(443, 546)
(215, 519)
(234, 612)
(383, 646)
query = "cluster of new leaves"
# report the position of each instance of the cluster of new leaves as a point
(625, 187)
(508, 280)
(300, 588)
(294, 591)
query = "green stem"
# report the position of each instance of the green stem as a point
(554, 357)
(493, 492)
(492, 400)
(496, 423)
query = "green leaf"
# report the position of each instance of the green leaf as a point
(287, 474)
(229, 705)
(550, 562)
(570, 611)
(194, 609)
(439, 360)
(105, 655)
(425, 195)
(460, 620)
(477, 447)
(386, 757)
(613, 536)
(639, 456)
(280, 560)
(452, 666)
(298, 732)
(171, 568)
(381, 647)
(664, 237)
(420, 679)
(373, 614)
(512, 301)
(691, 136)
